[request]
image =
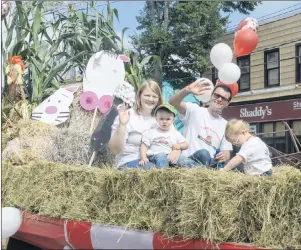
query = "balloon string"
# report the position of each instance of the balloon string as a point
(233, 57)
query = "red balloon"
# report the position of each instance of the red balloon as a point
(245, 42)
(242, 24)
(233, 86)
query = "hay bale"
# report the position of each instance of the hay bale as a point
(34, 141)
(240, 208)
(80, 119)
(195, 203)
(40, 141)
(73, 147)
(12, 151)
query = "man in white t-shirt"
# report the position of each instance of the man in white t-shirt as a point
(204, 128)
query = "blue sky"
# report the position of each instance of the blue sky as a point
(128, 10)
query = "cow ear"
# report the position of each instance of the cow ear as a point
(124, 58)
(98, 55)
(72, 89)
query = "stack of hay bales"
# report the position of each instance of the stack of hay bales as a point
(39, 141)
(69, 143)
(194, 203)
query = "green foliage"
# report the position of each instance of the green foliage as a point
(185, 43)
(50, 47)
(137, 72)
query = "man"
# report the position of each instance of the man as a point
(204, 128)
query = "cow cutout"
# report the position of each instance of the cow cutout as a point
(104, 72)
(55, 110)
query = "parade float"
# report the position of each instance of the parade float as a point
(60, 191)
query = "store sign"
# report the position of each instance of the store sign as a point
(267, 111)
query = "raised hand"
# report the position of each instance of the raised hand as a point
(124, 114)
(198, 87)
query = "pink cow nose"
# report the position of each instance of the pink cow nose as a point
(51, 110)
(107, 105)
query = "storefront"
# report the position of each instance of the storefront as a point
(268, 117)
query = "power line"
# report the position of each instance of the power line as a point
(174, 40)
(231, 30)
(258, 18)
(280, 45)
(281, 14)
(289, 58)
(192, 42)
(210, 74)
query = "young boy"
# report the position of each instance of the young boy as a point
(253, 152)
(158, 143)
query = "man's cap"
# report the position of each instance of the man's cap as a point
(168, 107)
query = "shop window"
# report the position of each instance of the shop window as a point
(244, 65)
(267, 128)
(297, 127)
(271, 68)
(279, 126)
(253, 128)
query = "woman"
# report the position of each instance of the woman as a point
(130, 124)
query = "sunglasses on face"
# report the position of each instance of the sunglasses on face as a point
(217, 96)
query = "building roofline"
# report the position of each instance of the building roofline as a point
(267, 22)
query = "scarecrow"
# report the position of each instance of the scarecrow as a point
(14, 73)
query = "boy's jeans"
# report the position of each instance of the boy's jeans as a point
(135, 164)
(161, 161)
(202, 157)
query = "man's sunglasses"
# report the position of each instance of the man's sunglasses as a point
(217, 96)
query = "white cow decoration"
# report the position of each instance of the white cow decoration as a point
(55, 109)
(104, 72)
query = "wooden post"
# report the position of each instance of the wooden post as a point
(93, 120)
(92, 158)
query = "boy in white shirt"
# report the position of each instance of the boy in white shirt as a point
(158, 143)
(253, 152)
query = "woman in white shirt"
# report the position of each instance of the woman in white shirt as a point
(129, 126)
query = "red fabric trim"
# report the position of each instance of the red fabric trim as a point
(48, 233)
(79, 234)
(43, 232)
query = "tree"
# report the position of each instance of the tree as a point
(182, 33)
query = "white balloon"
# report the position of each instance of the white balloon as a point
(11, 221)
(220, 54)
(207, 94)
(229, 73)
